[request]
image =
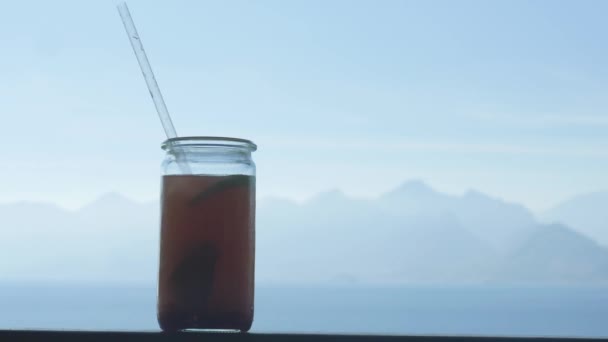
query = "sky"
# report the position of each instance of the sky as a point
(505, 97)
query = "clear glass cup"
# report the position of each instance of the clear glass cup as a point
(207, 242)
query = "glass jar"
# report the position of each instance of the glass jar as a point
(207, 242)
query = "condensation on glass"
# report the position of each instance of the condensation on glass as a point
(207, 242)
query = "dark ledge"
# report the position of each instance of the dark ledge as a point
(39, 335)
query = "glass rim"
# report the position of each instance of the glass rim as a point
(208, 141)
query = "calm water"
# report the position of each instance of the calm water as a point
(471, 310)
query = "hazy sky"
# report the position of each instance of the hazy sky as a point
(505, 97)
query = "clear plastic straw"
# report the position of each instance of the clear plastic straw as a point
(146, 70)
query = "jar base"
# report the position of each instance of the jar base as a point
(179, 321)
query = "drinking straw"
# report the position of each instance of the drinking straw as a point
(146, 70)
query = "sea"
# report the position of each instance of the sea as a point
(496, 311)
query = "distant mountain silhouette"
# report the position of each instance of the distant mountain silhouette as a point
(579, 260)
(108, 202)
(111, 239)
(501, 225)
(411, 235)
(586, 213)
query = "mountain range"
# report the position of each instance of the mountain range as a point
(410, 235)
(587, 213)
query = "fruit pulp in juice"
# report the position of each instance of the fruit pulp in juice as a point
(206, 273)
